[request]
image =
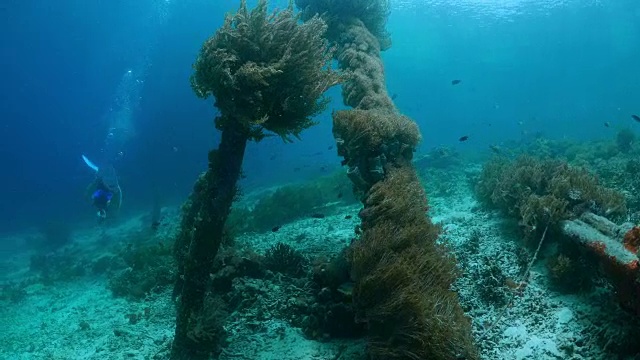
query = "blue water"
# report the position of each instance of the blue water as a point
(73, 69)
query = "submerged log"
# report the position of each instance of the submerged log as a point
(616, 247)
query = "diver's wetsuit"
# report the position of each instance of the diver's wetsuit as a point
(101, 198)
(105, 187)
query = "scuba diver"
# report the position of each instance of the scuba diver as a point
(101, 199)
(105, 190)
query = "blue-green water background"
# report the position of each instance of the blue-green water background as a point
(561, 68)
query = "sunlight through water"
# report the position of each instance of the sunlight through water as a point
(497, 9)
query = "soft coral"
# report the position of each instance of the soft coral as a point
(632, 239)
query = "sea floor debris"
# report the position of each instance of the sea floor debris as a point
(81, 319)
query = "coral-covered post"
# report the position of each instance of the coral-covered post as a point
(402, 276)
(268, 74)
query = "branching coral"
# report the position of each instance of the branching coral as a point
(491, 284)
(538, 192)
(569, 272)
(403, 277)
(293, 201)
(358, 29)
(359, 54)
(370, 139)
(285, 259)
(267, 72)
(625, 140)
(149, 268)
(371, 13)
(374, 133)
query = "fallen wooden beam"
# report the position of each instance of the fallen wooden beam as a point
(616, 246)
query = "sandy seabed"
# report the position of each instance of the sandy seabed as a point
(81, 319)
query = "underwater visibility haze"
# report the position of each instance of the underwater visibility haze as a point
(320, 179)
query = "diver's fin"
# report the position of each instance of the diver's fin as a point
(120, 197)
(90, 164)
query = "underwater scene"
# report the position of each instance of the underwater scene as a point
(320, 180)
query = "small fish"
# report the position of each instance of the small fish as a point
(340, 195)
(455, 82)
(635, 117)
(317, 216)
(607, 124)
(296, 169)
(347, 217)
(330, 147)
(394, 96)
(344, 162)
(463, 138)
(272, 157)
(276, 228)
